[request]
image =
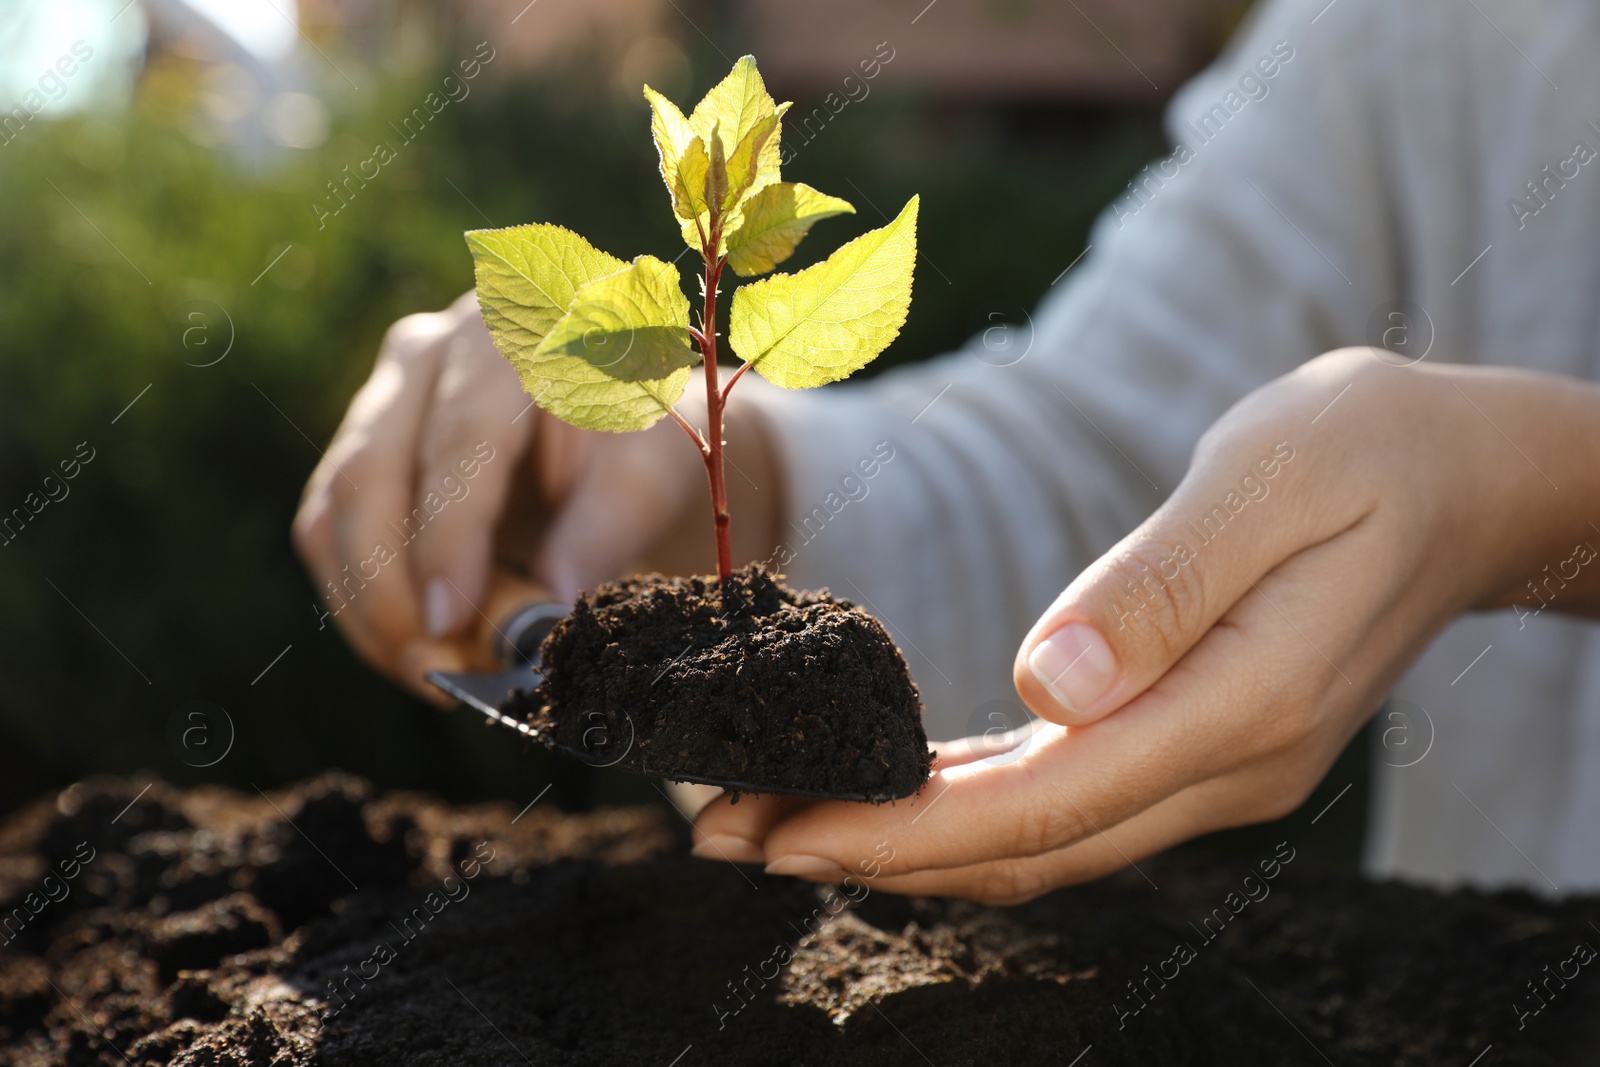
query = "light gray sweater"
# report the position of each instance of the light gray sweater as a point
(1348, 173)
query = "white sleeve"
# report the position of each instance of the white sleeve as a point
(1259, 244)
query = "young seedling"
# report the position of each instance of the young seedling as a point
(608, 345)
(794, 692)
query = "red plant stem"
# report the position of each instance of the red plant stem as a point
(715, 401)
(710, 443)
(726, 389)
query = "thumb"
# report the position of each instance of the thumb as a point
(1133, 614)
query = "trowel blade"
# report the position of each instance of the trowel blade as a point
(486, 692)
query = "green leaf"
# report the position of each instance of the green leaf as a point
(747, 173)
(689, 195)
(833, 318)
(716, 183)
(744, 166)
(527, 278)
(673, 136)
(771, 157)
(737, 125)
(633, 324)
(734, 106)
(528, 275)
(740, 112)
(774, 221)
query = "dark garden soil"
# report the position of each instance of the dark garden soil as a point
(324, 925)
(747, 682)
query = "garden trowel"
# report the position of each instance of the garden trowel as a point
(516, 646)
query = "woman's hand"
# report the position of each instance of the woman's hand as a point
(571, 507)
(1205, 672)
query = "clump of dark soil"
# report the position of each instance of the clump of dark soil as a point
(745, 681)
(468, 936)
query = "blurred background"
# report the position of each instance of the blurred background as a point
(191, 288)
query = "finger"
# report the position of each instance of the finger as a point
(628, 491)
(1216, 804)
(317, 543)
(1133, 614)
(473, 434)
(733, 832)
(691, 798)
(363, 480)
(477, 651)
(994, 746)
(1248, 691)
(728, 830)
(316, 540)
(385, 423)
(418, 658)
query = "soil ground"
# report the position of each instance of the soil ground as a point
(326, 925)
(748, 682)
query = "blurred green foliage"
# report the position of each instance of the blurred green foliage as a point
(166, 575)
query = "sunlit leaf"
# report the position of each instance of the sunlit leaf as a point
(527, 278)
(734, 106)
(740, 113)
(689, 195)
(716, 183)
(774, 220)
(633, 324)
(743, 166)
(743, 185)
(673, 136)
(831, 319)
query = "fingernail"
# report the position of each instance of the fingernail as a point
(1075, 665)
(799, 866)
(727, 848)
(439, 608)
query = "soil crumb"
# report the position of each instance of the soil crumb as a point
(745, 681)
(327, 925)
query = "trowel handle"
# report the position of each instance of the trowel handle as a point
(524, 613)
